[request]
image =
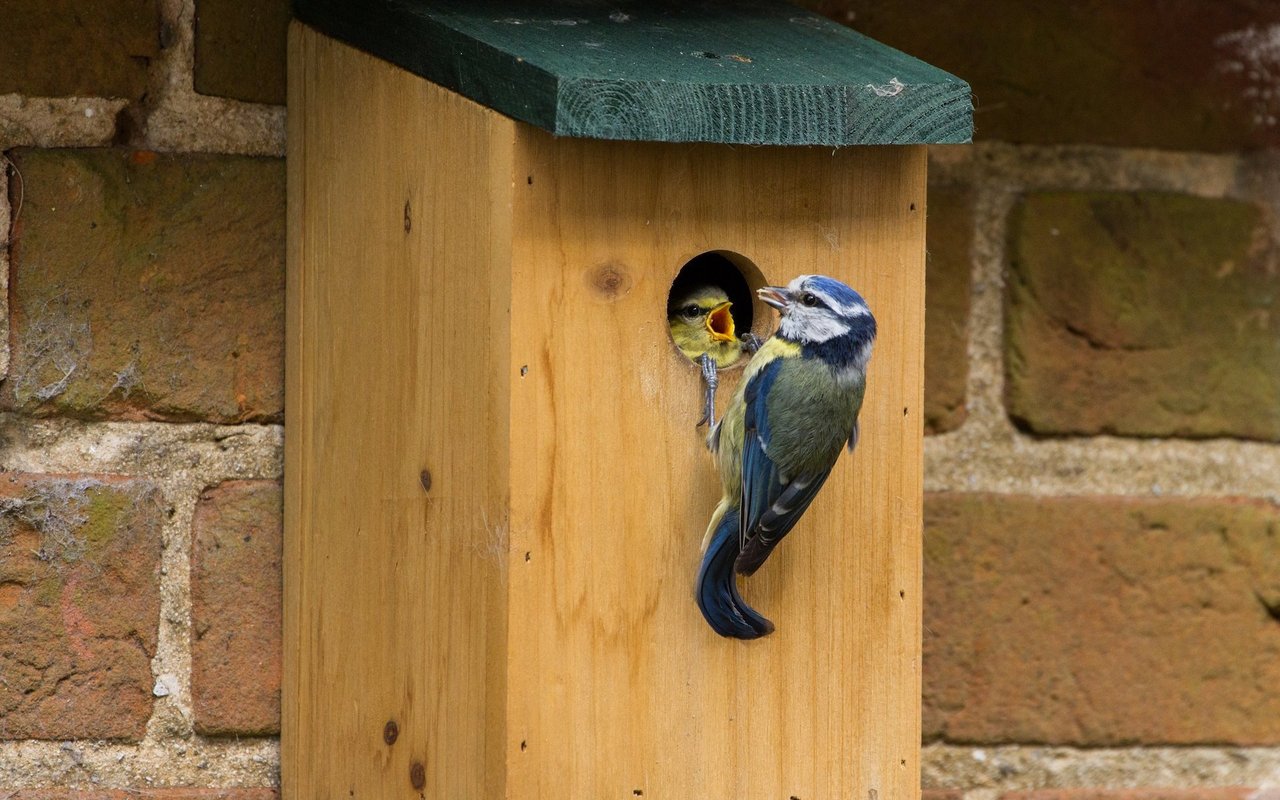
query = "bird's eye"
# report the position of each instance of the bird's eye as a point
(809, 299)
(691, 311)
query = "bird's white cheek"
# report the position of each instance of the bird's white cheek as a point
(817, 328)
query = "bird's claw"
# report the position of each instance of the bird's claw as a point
(709, 375)
(750, 343)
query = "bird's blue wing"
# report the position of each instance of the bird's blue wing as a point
(771, 503)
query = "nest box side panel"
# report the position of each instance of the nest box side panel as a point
(618, 688)
(396, 467)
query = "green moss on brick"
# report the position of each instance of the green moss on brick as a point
(148, 286)
(1142, 314)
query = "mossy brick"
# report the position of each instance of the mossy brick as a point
(1148, 73)
(235, 609)
(948, 265)
(148, 286)
(240, 49)
(1101, 621)
(69, 48)
(1142, 314)
(144, 794)
(79, 605)
(1198, 793)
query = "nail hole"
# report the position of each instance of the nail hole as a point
(902, 593)
(524, 370)
(913, 206)
(408, 216)
(527, 556)
(732, 273)
(530, 180)
(524, 745)
(637, 793)
(904, 411)
(425, 479)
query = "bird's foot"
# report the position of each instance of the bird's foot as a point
(750, 343)
(709, 375)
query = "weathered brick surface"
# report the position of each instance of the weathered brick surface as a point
(941, 794)
(144, 794)
(240, 49)
(1101, 621)
(79, 605)
(1205, 793)
(235, 609)
(1142, 314)
(60, 48)
(949, 263)
(1148, 73)
(148, 286)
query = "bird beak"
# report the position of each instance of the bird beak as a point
(775, 296)
(720, 323)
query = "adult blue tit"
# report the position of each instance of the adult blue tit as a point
(701, 324)
(795, 409)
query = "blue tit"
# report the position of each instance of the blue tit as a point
(702, 327)
(795, 409)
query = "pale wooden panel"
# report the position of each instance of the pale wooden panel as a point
(398, 289)
(617, 686)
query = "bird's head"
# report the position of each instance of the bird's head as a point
(702, 314)
(816, 309)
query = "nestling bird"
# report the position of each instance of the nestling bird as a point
(702, 327)
(795, 409)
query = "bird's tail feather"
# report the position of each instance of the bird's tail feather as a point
(717, 591)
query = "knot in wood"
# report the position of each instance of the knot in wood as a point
(610, 280)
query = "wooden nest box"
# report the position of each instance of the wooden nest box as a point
(495, 489)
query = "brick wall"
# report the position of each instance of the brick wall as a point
(143, 211)
(1102, 556)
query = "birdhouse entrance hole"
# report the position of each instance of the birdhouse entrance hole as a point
(736, 275)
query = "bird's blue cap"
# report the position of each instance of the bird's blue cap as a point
(836, 290)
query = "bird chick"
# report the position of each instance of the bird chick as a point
(795, 409)
(702, 327)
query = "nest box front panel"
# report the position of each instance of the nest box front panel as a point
(617, 687)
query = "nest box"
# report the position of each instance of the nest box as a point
(495, 492)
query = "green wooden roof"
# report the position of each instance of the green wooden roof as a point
(745, 71)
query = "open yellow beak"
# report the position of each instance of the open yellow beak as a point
(720, 323)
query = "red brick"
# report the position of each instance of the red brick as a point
(79, 605)
(947, 278)
(148, 286)
(61, 48)
(144, 794)
(1203, 793)
(1142, 314)
(240, 49)
(1147, 73)
(235, 609)
(1101, 621)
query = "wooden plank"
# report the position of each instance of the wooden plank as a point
(617, 687)
(397, 346)
(751, 72)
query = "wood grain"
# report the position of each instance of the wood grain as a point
(478, 298)
(397, 351)
(617, 684)
(750, 72)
